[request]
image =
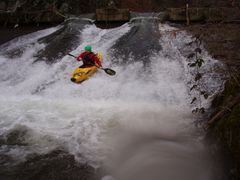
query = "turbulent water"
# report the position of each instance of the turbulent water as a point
(136, 125)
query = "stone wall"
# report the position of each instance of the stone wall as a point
(222, 41)
(47, 11)
(38, 11)
(204, 14)
(157, 5)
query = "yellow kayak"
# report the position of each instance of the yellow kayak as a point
(80, 74)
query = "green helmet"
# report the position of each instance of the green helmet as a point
(88, 48)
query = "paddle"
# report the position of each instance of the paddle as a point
(107, 70)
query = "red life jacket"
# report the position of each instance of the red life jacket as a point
(88, 59)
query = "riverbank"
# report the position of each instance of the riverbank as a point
(10, 32)
(222, 41)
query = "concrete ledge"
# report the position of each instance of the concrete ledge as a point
(204, 14)
(112, 14)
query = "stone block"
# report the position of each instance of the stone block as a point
(179, 14)
(3, 6)
(204, 14)
(112, 14)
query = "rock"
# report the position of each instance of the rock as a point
(54, 165)
(3, 6)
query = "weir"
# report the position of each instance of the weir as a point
(134, 125)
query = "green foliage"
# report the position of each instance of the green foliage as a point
(193, 87)
(198, 87)
(198, 77)
(204, 94)
(199, 62)
(199, 110)
(193, 100)
(192, 64)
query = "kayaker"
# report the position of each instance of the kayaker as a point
(89, 58)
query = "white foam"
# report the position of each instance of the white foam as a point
(78, 118)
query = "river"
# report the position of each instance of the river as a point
(137, 124)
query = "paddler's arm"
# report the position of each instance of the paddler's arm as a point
(79, 58)
(97, 62)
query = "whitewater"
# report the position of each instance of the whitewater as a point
(137, 124)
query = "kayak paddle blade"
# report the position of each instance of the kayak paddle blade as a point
(110, 71)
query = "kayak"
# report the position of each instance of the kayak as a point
(80, 74)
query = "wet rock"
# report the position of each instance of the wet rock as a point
(15, 136)
(57, 165)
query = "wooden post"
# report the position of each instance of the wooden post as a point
(187, 15)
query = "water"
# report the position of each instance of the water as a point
(136, 125)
